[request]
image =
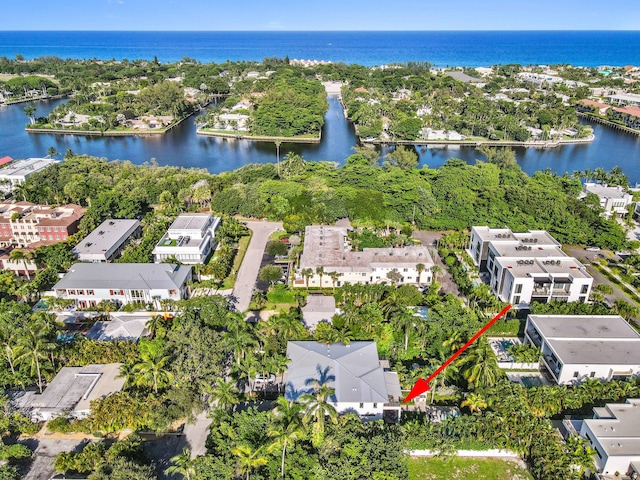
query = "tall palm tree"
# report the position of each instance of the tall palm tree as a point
(288, 427)
(182, 465)
(8, 342)
(248, 459)
(34, 347)
(404, 321)
(317, 409)
(307, 273)
(480, 365)
(420, 268)
(17, 255)
(225, 394)
(152, 369)
(320, 272)
(334, 276)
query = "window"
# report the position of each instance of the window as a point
(575, 374)
(592, 374)
(90, 292)
(72, 292)
(375, 405)
(584, 288)
(518, 288)
(361, 405)
(80, 292)
(405, 270)
(516, 299)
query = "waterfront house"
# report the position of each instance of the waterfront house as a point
(123, 283)
(613, 200)
(107, 241)
(590, 106)
(328, 248)
(578, 347)
(625, 99)
(527, 267)
(190, 239)
(361, 385)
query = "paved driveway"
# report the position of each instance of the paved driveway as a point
(41, 467)
(248, 272)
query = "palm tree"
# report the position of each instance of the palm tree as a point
(317, 409)
(420, 268)
(8, 341)
(248, 459)
(182, 465)
(404, 320)
(152, 369)
(34, 347)
(436, 269)
(481, 368)
(581, 453)
(17, 255)
(225, 394)
(153, 324)
(334, 276)
(475, 402)
(30, 111)
(320, 272)
(307, 273)
(248, 369)
(288, 427)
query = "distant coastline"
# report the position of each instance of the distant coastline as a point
(369, 48)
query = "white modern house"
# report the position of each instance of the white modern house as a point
(361, 385)
(17, 172)
(614, 433)
(123, 283)
(577, 347)
(189, 239)
(614, 200)
(328, 247)
(107, 241)
(71, 392)
(528, 267)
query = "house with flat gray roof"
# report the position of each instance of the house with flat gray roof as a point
(577, 347)
(18, 171)
(71, 392)
(526, 267)
(613, 200)
(361, 385)
(107, 241)
(329, 247)
(614, 433)
(319, 308)
(189, 239)
(90, 283)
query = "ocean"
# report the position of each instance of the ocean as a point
(441, 48)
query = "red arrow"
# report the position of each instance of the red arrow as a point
(422, 386)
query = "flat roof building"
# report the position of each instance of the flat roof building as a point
(319, 308)
(577, 347)
(19, 170)
(527, 267)
(189, 239)
(329, 248)
(71, 392)
(614, 200)
(107, 241)
(361, 384)
(625, 99)
(614, 433)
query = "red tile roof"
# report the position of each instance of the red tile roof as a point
(5, 160)
(633, 111)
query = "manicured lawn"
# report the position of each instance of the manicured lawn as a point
(453, 468)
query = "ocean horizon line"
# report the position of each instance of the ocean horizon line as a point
(331, 31)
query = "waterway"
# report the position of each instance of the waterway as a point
(183, 147)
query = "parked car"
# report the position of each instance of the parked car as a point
(262, 379)
(592, 249)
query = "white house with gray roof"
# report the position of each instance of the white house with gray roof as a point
(614, 433)
(328, 247)
(189, 239)
(361, 385)
(18, 171)
(107, 241)
(527, 267)
(577, 347)
(614, 200)
(71, 392)
(123, 283)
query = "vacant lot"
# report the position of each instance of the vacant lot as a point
(465, 468)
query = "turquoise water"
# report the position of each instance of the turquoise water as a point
(470, 48)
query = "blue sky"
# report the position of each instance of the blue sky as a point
(322, 15)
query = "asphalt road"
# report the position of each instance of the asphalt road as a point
(248, 272)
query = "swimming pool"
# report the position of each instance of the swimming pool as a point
(531, 381)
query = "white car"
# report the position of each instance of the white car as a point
(592, 249)
(262, 379)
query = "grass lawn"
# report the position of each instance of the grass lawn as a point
(453, 468)
(243, 244)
